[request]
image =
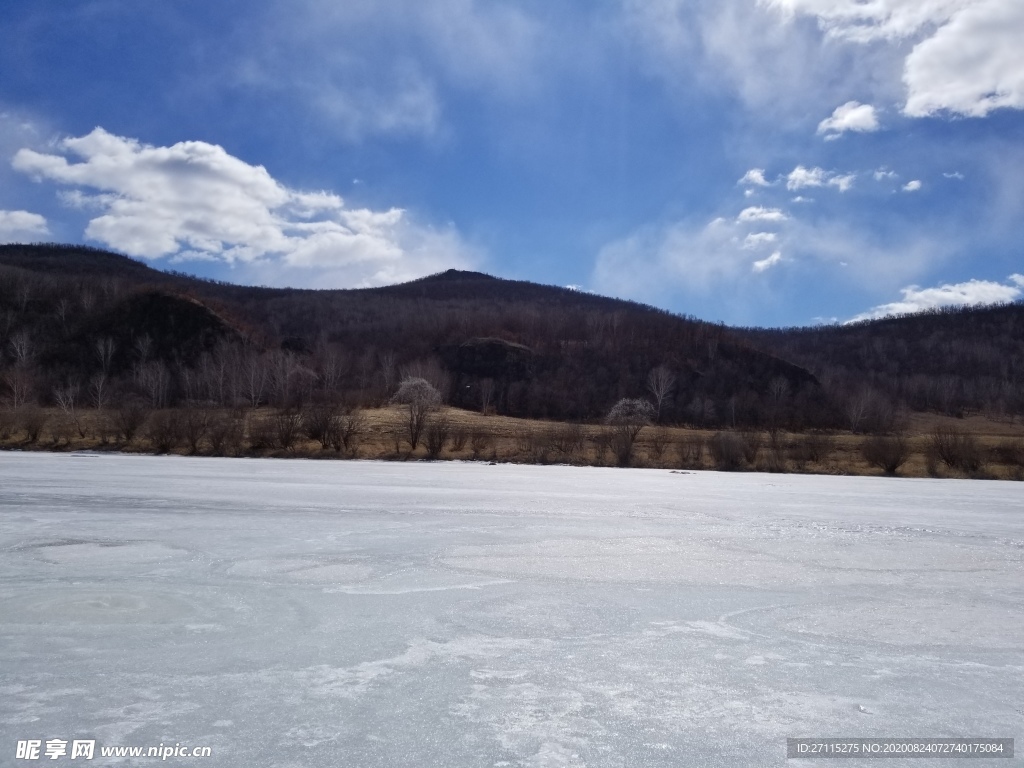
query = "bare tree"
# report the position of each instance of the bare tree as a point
(660, 383)
(21, 347)
(778, 388)
(387, 370)
(66, 398)
(105, 349)
(143, 347)
(486, 395)
(253, 378)
(627, 418)
(155, 380)
(421, 397)
(20, 385)
(98, 390)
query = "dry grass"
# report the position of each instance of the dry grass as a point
(473, 436)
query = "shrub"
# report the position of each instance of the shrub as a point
(956, 449)
(128, 419)
(751, 446)
(658, 443)
(726, 450)
(814, 447)
(886, 452)
(566, 439)
(691, 451)
(775, 460)
(262, 433)
(1009, 452)
(458, 439)
(479, 442)
(287, 427)
(321, 422)
(436, 436)
(32, 422)
(195, 423)
(225, 434)
(164, 431)
(346, 431)
(7, 424)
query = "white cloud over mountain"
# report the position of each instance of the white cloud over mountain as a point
(22, 225)
(970, 293)
(193, 200)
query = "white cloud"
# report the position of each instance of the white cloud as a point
(851, 116)
(365, 68)
(22, 225)
(774, 68)
(760, 213)
(954, 175)
(755, 240)
(843, 183)
(970, 293)
(884, 173)
(754, 177)
(912, 186)
(971, 65)
(965, 55)
(801, 178)
(656, 259)
(193, 200)
(768, 263)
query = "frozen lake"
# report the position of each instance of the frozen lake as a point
(301, 613)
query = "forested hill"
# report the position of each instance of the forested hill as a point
(954, 361)
(112, 329)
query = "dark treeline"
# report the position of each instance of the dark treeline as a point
(954, 361)
(101, 329)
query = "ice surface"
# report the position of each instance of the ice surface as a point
(303, 613)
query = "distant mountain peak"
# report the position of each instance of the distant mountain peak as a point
(455, 275)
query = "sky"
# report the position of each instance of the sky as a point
(754, 162)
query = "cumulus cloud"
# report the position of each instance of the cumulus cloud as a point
(970, 293)
(971, 65)
(851, 116)
(965, 55)
(22, 225)
(760, 213)
(193, 200)
(884, 173)
(768, 263)
(801, 177)
(912, 186)
(754, 177)
(756, 240)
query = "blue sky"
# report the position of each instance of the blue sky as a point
(769, 162)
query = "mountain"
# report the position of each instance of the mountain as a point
(69, 315)
(72, 316)
(955, 360)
